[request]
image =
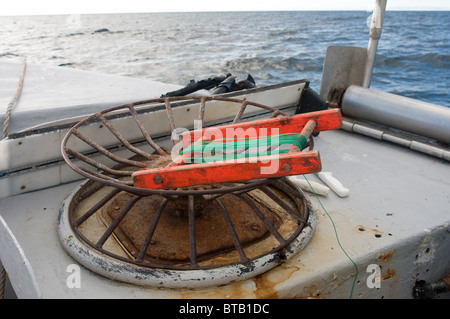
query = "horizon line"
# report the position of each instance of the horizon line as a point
(219, 11)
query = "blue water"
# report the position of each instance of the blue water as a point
(413, 54)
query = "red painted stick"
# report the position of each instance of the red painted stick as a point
(325, 120)
(229, 171)
(293, 163)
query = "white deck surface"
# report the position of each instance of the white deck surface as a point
(397, 217)
(54, 93)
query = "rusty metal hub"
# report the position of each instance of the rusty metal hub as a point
(170, 241)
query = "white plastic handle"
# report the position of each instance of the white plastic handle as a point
(334, 184)
(300, 181)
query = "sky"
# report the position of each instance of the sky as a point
(32, 7)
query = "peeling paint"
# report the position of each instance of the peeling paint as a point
(426, 250)
(312, 290)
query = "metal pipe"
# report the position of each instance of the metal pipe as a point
(374, 36)
(413, 116)
(435, 151)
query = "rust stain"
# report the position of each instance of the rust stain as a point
(390, 273)
(387, 256)
(265, 289)
(234, 290)
(265, 283)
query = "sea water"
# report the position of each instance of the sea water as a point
(413, 57)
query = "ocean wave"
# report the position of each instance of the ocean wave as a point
(435, 60)
(6, 54)
(274, 63)
(413, 61)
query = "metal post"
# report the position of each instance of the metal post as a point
(375, 34)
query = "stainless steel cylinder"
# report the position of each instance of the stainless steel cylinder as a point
(417, 117)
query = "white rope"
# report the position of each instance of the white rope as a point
(14, 100)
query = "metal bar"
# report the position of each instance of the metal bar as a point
(192, 239)
(90, 190)
(96, 207)
(375, 34)
(116, 221)
(240, 112)
(201, 112)
(264, 219)
(276, 114)
(105, 152)
(406, 141)
(233, 233)
(145, 133)
(96, 164)
(122, 139)
(289, 188)
(171, 120)
(151, 230)
(282, 203)
(102, 178)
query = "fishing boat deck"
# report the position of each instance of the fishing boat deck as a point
(395, 220)
(57, 93)
(396, 216)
